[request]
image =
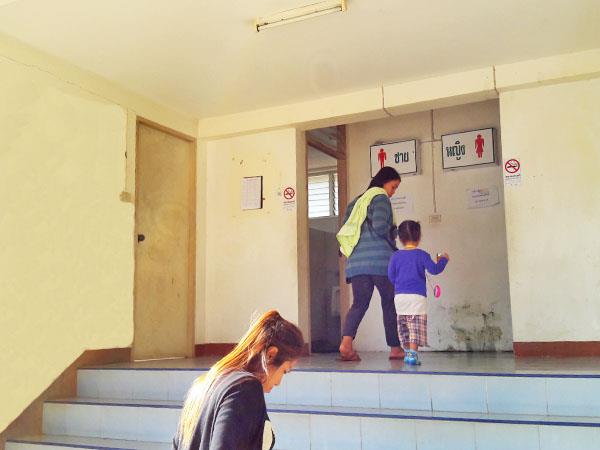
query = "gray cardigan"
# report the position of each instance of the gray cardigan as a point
(375, 247)
(233, 416)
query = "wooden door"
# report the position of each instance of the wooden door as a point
(165, 244)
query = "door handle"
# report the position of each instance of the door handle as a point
(140, 237)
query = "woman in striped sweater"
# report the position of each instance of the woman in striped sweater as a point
(367, 266)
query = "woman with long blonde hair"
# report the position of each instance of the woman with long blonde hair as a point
(226, 409)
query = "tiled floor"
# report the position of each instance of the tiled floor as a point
(458, 401)
(94, 443)
(455, 362)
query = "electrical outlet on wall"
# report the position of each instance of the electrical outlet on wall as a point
(435, 218)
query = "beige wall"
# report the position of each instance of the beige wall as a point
(251, 256)
(66, 250)
(553, 218)
(67, 259)
(474, 311)
(411, 97)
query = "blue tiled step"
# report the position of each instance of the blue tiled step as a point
(136, 384)
(531, 393)
(307, 427)
(511, 419)
(50, 442)
(373, 429)
(112, 418)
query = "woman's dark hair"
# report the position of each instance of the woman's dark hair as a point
(409, 231)
(384, 175)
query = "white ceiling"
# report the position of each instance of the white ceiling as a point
(204, 57)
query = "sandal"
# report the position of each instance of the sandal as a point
(349, 357)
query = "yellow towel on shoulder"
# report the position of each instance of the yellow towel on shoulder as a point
(349, 234)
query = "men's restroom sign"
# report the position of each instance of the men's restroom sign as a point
(402, 156)
(470, 148)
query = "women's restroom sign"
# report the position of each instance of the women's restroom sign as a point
(470, 148)
(402, 156)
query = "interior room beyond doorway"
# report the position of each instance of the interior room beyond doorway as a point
(473, 313)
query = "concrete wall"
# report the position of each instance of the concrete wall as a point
(474, 311)
(553, 217)
(319, 160)
(327, 224)
(66, 247)
(399, 100)
(64, 134)
(252, 256)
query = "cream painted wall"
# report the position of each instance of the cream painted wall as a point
(67, 255)
(435, 92)
(251, 256)
(66, 248)
(474, 311)
(553, 218)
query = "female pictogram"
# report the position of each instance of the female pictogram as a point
(479, 142)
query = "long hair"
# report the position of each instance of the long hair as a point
(250, 354)
(384, 175)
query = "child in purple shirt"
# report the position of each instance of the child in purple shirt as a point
(407, 272)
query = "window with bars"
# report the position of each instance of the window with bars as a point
(323, 194)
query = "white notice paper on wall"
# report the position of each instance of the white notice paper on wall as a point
(483, 198)
(251, 193)
(402, 203)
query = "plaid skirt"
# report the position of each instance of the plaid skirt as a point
(412, 330)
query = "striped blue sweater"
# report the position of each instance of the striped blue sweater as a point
(374, 249)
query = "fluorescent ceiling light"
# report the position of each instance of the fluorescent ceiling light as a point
(302, 13)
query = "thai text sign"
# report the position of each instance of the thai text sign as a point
(402, 156)
(470, 148)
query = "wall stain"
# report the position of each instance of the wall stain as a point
(475, 338)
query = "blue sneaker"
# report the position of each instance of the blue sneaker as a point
(412, 358)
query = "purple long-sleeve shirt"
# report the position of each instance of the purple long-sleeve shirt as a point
(407, 269)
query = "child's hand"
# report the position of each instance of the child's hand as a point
(445, 255)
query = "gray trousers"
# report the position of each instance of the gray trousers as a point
(362, 290)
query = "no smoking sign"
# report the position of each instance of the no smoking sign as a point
(289, 198)
(289, 193)
(512, 172)
(512, 166)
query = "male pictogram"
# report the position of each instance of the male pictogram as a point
(381, 156)
(479, 146)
